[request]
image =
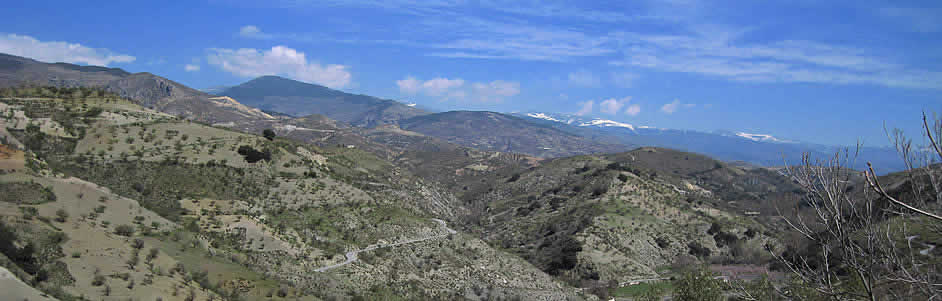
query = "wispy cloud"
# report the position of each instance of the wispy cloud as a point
(455, 89)
(721, 54)
(191, 68)
(516, 30)
(252, 31)
(433, 87)
(585, 108)
(633, 110)
(279, 60)
(676, 105)
(55, 51)
(480, 38)
(612, 106)
(583, 78)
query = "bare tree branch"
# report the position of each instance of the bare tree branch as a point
(874, 183)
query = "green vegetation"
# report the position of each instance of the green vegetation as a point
(124, 230)
(645, 291)
(21, 256)
(698, 285)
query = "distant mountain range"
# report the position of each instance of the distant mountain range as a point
(274, 101)
(506, 133)
(759, 149)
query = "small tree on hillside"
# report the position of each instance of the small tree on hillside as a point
(268, 134)
(124, 230)
(61, 215)
(698, 285)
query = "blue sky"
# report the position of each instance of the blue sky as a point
(828, 72)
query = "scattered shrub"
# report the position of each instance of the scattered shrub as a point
(696, 249)
(252, 155)
(268, 134)
(124, 230)
(61, 215)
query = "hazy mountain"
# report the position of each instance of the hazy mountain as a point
(505, 133)
(15, 71)
(273, 93)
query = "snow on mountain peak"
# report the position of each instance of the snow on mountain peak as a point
(759, 137)
(410, 104)
(543, 116)
(607, 123)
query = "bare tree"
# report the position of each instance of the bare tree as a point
(868, 241)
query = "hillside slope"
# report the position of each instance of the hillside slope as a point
(145, 89)
(156, 206)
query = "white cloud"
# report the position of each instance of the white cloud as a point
(279, 60)
(675, 105)
(611, 106)
(433, 87)
(191, 68)
(440, 86)
(585, 108)
(252, 31)
(455, 89)
(583, 78)
(409, 85)
(633, 110)
(53, 52)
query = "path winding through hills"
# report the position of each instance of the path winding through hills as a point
(352, 255)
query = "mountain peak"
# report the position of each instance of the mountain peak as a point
(287, 96)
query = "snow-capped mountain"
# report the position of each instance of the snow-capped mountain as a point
(761, 138)
(542, 116)
(761, 149)
(607, 123)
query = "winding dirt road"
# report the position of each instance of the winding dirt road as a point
(352, 255)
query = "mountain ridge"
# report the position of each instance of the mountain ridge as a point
(273, 93)
(147, 89)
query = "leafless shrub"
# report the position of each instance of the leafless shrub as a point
(863, 242)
